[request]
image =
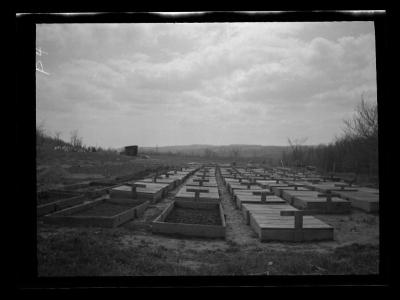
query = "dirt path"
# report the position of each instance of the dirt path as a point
(237, 231)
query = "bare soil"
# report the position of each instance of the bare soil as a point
(48, 197)
(194, 216)
(105, 209)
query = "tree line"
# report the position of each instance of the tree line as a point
(354, 151)
(46, 141)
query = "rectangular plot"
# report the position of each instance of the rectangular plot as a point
(289, 194)
(52, 201)
(269, 185)
(279, 189)
(204, 189)
(368, 202)
(240, 199)
(152, 191)
(235, 186)
(200, 184)
(270, 225)
(169, 182)
(321, 206)
(324, 186)
(261, 209)
(191, 219)
(208, 194)
(99, 213)
(267, 222)
(264, 183)
(251, 192)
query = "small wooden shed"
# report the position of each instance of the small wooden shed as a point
(131, 150)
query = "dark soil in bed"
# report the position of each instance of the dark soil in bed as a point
(48, 197)
(194, 216)
(105, 209)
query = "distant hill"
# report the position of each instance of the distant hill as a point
(259, 151)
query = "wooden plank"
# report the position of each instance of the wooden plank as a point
(258, 193)
(254, 192)
(270, 225)
(325, 186)
(165, 213)
(233, 187)
(170, 182)
(77, 208)
(58, 205)
(241, 199)
(209, 198)
(288, 195)
(278, 190)
(368, 202)
(153, 191)
(289, 235)
(67, 217)
(321, 206)
(205, 184)
(206, 193)
(261, 209)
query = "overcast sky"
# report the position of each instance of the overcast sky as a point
(203, 83)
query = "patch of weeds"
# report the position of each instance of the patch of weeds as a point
(233, 249)
(233, 246)
(143, 242)
(370, 220)
(293, 265)
(158, 252)
(163, 248)
(87, 256)
(354, 249)
(233, 268)
(83, 254)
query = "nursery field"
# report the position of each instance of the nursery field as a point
(133, 249)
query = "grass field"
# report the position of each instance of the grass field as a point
(100, 252)
(56, 168)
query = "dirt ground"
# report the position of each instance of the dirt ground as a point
(56, 169)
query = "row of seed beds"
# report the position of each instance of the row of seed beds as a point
(116, 204)
(196, 210)
(279, 204)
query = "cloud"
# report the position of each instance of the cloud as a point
(220, 81)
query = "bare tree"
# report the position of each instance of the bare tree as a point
(296, 146)
(364, 123)
(40, 129)
(76, 141)
(235, 153)
(209, 153)
(57, 137)
(362, 133)
(355, 151)
(41, 135)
